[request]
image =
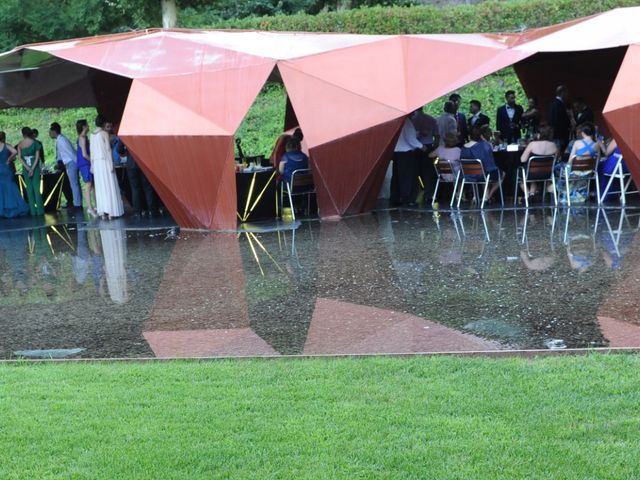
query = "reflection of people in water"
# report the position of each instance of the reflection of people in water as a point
(580, 253)
(114, 248)
(82, 260)
(543, 262)
(13, 260)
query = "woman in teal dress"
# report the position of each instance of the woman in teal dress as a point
(11, 202)
(30, 155)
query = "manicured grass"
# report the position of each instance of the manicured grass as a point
(445, 417)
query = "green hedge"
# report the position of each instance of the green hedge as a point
(490, 16)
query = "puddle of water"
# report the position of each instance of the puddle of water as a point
(393, 282)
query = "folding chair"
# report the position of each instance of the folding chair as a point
(471, 170)
(623, 178)
(580, 165)
(444, 167)
(539, 168)
(301, 184)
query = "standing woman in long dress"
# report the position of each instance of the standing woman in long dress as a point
(108, 199)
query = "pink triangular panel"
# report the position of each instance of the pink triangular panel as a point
(327, 112)
(374, 70)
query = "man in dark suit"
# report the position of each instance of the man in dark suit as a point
(558, 117)
(582, 113)
(509, 118)
(461, 120)
(477, 118)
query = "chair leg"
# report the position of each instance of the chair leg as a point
(526, 192)
(515, 193)
(555, 194)
(566, 181)
(293, 210)
(623, 187)
(461, 192)
(455, 189)
(435, 192)
(597, 187)
(500, 180)
(484, 193)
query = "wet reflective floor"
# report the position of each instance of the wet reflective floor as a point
(391, 282)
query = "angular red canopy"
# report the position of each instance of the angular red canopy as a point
(180, 96)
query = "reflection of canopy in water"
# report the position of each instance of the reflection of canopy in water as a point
(188, 91)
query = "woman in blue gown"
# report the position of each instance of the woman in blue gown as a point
(11, 202)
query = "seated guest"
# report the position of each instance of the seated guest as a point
(449, 152)
(297, 133)
(446, 122)
(293, 159)
(279, 149)
(479, 148)
(542, 146)
(477, 118)
(531, 118)
(11, 202)
(585, 146)
(509, 117)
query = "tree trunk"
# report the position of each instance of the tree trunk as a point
(169, 13)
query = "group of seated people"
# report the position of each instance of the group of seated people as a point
(93, 158)
(425, 140)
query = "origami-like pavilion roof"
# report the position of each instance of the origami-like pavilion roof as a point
(190, 90)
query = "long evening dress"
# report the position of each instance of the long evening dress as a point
(11, 202)
(108, 199)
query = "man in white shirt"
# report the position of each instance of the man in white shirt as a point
(66, 154)
(427, 128)
(404, 181)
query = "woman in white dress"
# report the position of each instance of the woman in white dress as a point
(105, 183)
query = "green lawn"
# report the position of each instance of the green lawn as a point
(421, 417)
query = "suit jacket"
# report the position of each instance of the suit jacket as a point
(559, 120)
(461, 120)
(585, 116)
(482, 120)
(503, 123)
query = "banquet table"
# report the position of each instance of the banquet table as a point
(50, 189)
(508, 162)
(256, 195)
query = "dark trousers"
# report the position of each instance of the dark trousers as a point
(427, 172)
(404, 178)
(139, 184)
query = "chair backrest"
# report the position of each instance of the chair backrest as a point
(471, 166)
(541, 165)
(443, 167)
(301, 178)
(584, 164)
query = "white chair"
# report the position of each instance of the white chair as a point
(587, 165)
(623, 178)
(444, 167)
(301, 184)
(472, 173)
(539, 168)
